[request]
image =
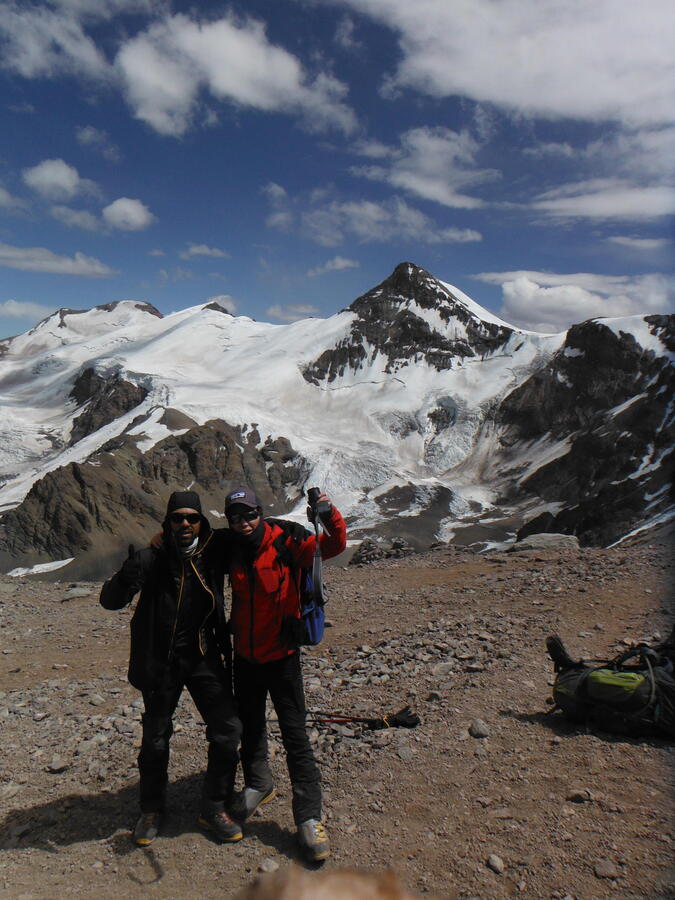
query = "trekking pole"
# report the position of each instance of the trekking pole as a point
(404, 718)
(314, 511)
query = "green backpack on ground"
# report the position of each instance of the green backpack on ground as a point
(636, 699)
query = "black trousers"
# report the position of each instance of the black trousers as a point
(210, 688)
(282, 680)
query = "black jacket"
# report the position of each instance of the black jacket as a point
(153, 625)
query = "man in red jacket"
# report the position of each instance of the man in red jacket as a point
(265, 596)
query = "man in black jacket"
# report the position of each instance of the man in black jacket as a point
(177, 634)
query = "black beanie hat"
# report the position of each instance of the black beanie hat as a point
(184, 500)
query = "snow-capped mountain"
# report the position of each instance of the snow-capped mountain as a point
(421, 413)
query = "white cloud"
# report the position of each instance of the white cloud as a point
(282, 220)
(336, 264)
(604, 284)
(432, 163)
(328, 224)
(165, 68)
(7, 201)
(372, 149)
(39, 41)
(606, 198)
(344, 34)
(76, 218)
(328, 221)
(640, 244)
(457, 236)
(613, 60)
(650, 150)
(26, 108)
(552, 148)
(54, 179)
(128, 215)
(39, 259)
(275, 193)
(548, 302)
(175, 274)
(89, 136)
(203, 250)
(24, 309)
(225, 301)
(156, 252)
(292, 312)
(104, 9)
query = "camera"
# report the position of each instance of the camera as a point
(320, 508)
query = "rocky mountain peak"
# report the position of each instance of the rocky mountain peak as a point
(408, 285)
(410, 317)
(67, 326)
(63, 313)
(217, 307)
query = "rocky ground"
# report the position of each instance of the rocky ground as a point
(487, 798)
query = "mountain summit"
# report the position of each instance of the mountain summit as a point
(412, 317)
(423, 415)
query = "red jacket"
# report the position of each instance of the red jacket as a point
(265, 594)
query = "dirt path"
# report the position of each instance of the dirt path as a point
(459, 637)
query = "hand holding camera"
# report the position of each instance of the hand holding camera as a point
(319, 506)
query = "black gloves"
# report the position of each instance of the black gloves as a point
(131, 573)
(404, 718)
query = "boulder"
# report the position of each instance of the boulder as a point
(546, 542)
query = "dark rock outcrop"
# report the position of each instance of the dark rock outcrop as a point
(370, 551)
(107, 399)
(388, 322)
(611, 400)
(94, 509)
(217, 307)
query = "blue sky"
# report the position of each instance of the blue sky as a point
(286, 156)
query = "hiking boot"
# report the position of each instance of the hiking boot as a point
(245, 803)
(561, 658)
(147, 828)
(313, 840)
(222, 826)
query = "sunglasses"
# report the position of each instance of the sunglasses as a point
(238, 518)
(190, 518)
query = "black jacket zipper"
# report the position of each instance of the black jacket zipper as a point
(180, 598)
(208, 590)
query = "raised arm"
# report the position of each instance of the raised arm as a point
(120, 590)
(332, 542)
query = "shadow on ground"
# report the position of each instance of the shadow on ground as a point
(562, 727)
(110, 816)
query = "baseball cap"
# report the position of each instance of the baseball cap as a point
(241, 497)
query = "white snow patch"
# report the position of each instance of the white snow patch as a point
(639, 328)
(543, 454)
(152, 430)
(647, 464)
(660, 519)
(40, 568)
(476, 310)
(626, 404)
